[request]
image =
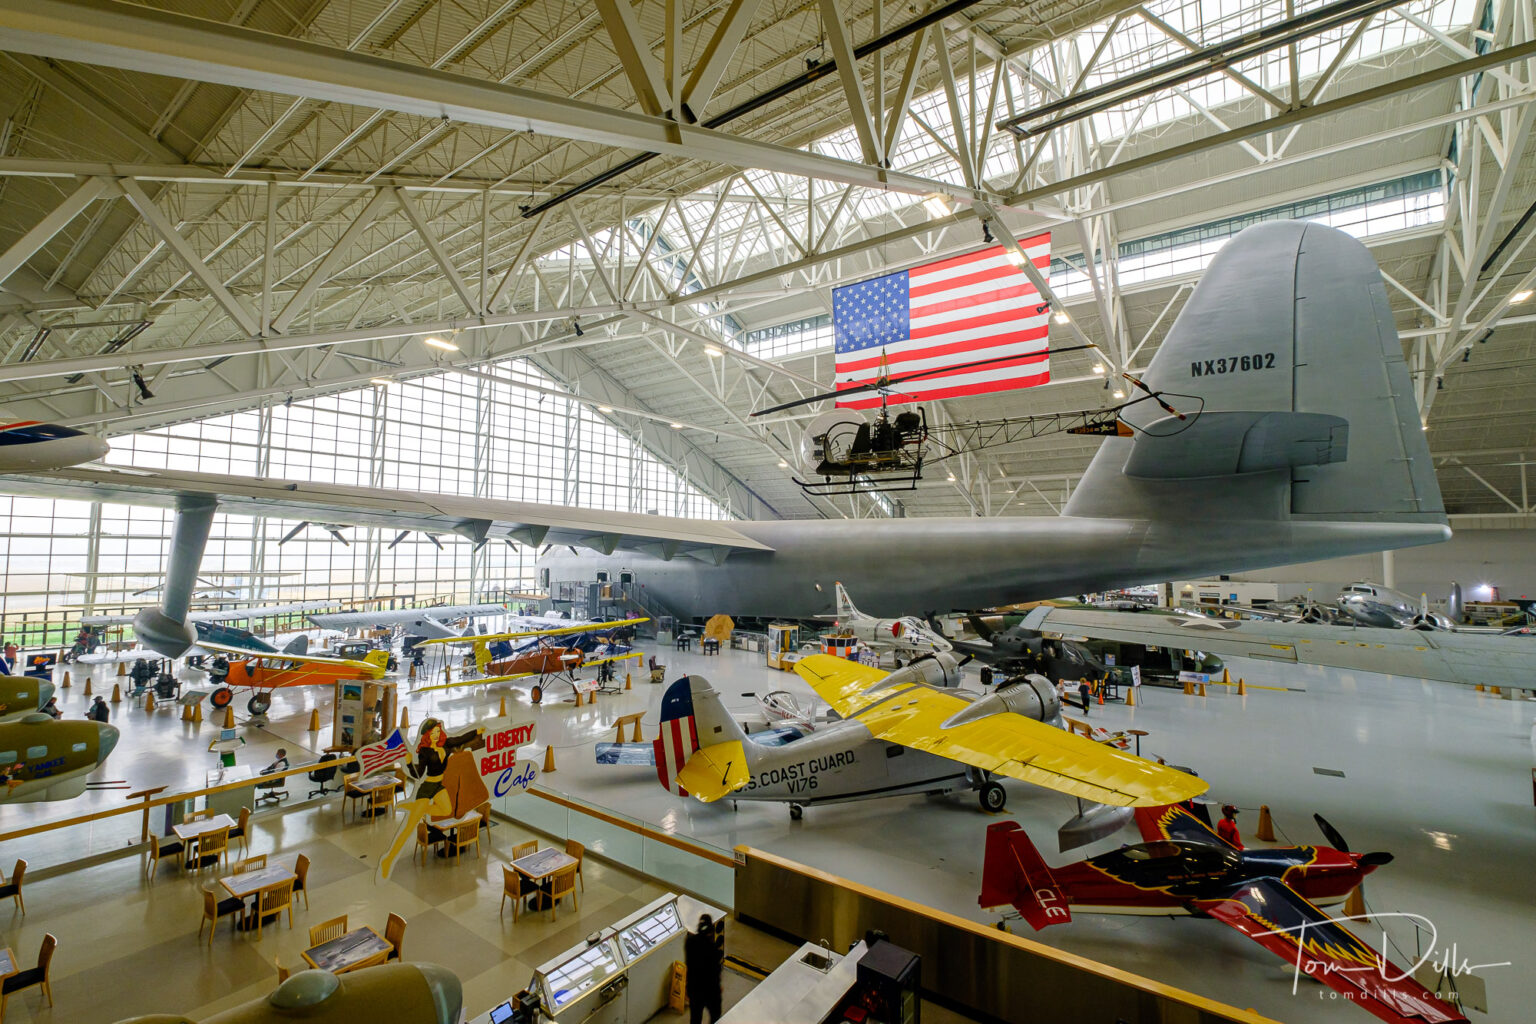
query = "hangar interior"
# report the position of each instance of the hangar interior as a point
(558, 252)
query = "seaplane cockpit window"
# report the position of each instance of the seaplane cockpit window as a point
(7, 757)
(34, 753)
(77, 748)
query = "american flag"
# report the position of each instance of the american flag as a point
(678, 740)
(959, 310)
(382, 754)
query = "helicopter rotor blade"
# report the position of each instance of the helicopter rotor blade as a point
(890, 382)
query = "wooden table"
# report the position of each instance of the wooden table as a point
(367, 787)
(252, 883)
(361, 947)
(447, 825)
(536, 867)
(190, 830)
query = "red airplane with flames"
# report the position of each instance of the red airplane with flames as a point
(1270, 894)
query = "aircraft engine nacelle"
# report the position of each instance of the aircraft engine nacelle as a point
(401, 993)
(163, 634)
(1033, 697)
(834, 425)
(939, 669)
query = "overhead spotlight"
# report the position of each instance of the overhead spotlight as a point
(677, 426)
(951, 478)
(1521, 296)
(1013, 254)
(1062, 317)
(138, 382)
(1098, 367)
(936, 204)
(433, 341)
(1439, 383)
(382, 382)
(986, 231)
(605, 408)
(1466, 356)
(576, 326)
(1119, 392)
(783, 464)
(713, 350)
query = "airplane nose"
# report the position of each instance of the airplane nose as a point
(97, 448)
(106, 742)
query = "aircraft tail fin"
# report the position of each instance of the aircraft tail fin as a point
(298, 645)
(846, 612)
(1287, 399)
(1014, 874)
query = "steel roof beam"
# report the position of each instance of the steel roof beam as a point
(112, 34)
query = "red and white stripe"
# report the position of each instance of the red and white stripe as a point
(678, 740)
(964, 309)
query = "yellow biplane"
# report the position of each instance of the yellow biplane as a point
(499, 658)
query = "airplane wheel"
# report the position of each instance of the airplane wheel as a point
(993, 797)
(796, 812)
(537, 694)
(1002, 926)
(259, 704)
(222, 697)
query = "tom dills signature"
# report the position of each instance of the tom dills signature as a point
(1444, 962)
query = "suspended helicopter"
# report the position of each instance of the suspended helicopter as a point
(853, 455)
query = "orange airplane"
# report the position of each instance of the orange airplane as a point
(268, 672)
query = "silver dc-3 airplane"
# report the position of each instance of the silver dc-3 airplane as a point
(897, 735)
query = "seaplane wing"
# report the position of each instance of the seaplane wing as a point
(1450, 657)
(221, 614)
(329, 506)
(999, 741)
(579, 627)
(1272, 914)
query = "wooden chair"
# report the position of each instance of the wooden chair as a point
(13, 887)
(215, 908)
(301, 885)
(159, 848)
(282, 972)
(325, 931)
(381, 801)
(31, 976)
(575, 849)
(274, 900)
(212, 847)
(512, 886)
(202, 815)
(242, 831)
(467, 834)
(561, 886)
(394, 934)
(522, 850)
(255, 863)
(351, 795)
(423, 843)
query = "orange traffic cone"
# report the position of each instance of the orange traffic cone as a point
(1202, 689)
(1226, 677)
(412, 673)
(229, 718)
(1266, 828)
(65, 683)
(1242, 687)
(88, 692)
(122, 669)
(1494, 690)
(1130, 696)
(627, 684)
(149, 700)
(117, 694)
(314, 720)
(549, 759)
(503, 712)
(1354, 906)
(405, 719)
(1480, 688)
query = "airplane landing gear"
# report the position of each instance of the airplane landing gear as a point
(796, 812)
(992, 797)
(222, 697)
(259, 704)
(537, 694)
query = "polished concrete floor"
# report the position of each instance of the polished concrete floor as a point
(1435, 774)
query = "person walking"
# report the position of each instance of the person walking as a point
(99, 712)
(702, 956)
(1084, 692)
